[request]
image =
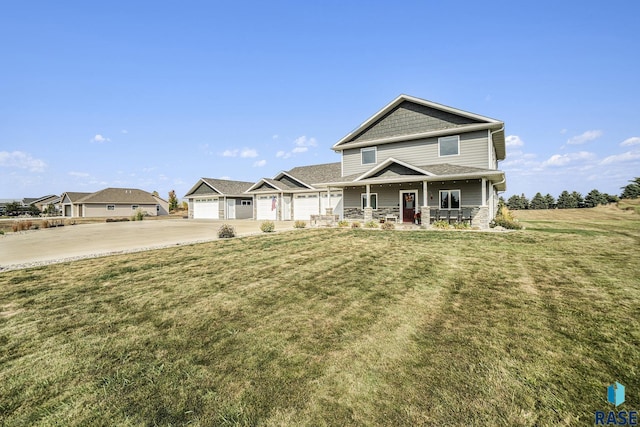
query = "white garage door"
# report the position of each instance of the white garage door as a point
(266, 207)
(205, 208)
(336, 203)
(305, 205)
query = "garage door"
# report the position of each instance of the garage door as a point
(336, 203)
(267, 207)
(305, 205)
(205, 208)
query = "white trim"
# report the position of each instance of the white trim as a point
(449, 199)
(401, 203)
(386, 163)
(375, 155)
(441, 139)
(367, 196)
(484, 192)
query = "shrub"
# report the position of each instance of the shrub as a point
(268, 226)
(506, 220)
(371, 224)
(1, 232)
(388, 226)
(15, 227)
(226, 231)
(45, 224)
(299, 224)
(461, 225)
(343, 223)
(27, 225)
(138, 216)
(117, 219)
(355, 224)
(440, 224)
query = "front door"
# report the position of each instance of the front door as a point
(409, 200)
(231, 208)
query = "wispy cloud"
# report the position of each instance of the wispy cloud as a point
(514, 141)
(624, 157)
(79, 174)
(587, 136)
(259, 163)
(100, 139)
(124, 131)
(300, 145)
(303, 141)
(244, 153)
(21, 160)
(634, 140)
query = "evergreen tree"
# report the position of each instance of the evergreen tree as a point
(631, 191)
(578, 198)
(538, 202)
(551, 201)
(566, 201)
(595, 198)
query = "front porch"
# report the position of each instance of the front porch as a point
(472, 201)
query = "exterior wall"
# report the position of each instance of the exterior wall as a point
(164, 206)
(244, 212)
(473, 152)
(470, 192)
(388, 199)
(121, 210)
(409, 118)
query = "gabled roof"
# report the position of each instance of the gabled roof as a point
(120, 195)
(389, 162)
(276, 185)
(407, 117)
(224, 187)
(73, 196)
(313, 174)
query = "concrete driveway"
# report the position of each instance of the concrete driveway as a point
(46, 246)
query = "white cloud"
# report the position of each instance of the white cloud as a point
(634, 140)
(299, 149)
(563, 159)
(124, 131)
(21, 160)
(514, 141)
(259, 163)
(100, 139)
(248, 152)
(303, 141)
(225, 177)
(624, 157)
(587, 136)
(230, 153)
(276, 136)
(79, 174)
(283, 154)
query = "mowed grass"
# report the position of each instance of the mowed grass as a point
(332, 327)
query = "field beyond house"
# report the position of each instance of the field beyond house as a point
(333, 327)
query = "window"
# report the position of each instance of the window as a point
(368, 155)
(449, 199)
(111, 207)
(374, 200)
(134, 207)
(245, 202)
(449, 146)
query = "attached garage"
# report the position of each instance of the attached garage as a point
(206, 208)
(305, 205)
(336, 203)
(267, 207)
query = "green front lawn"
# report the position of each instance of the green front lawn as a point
(330, 327)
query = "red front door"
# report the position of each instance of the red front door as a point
(408, 206)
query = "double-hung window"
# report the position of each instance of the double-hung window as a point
(449, 199)
(368, 155)
(449, 146)
(372, 196)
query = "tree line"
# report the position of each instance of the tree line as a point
(569, 200)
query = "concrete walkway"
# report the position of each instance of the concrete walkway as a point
(46, 246)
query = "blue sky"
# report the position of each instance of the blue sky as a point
(155, 95)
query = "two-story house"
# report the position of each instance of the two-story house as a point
(411, 157)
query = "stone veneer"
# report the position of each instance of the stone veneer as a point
(479, 215)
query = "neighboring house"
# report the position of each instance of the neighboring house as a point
(69, 203)
(43, 202)
(113, 202)
(220, 199)
(415, 155)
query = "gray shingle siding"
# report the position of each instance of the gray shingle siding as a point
(473, 152)
(408, 119)
(203, 189)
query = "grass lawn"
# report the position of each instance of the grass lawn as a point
(333, 327)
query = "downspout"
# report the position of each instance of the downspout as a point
(491, 144)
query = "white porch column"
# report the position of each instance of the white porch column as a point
(368, 204)
(484, 192)
(368, 211)
(425, 201)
